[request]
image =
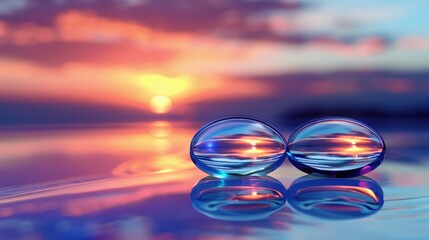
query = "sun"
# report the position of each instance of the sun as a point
(160, 104)
(165, 86)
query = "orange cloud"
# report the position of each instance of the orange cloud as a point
(30, 34)
(85, 37)
(85, 26)
(89, 27)
(3, 30)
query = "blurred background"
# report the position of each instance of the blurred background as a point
(99, 100)
(93, 61)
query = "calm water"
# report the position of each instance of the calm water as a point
(134, 182)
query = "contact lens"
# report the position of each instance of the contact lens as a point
(237, 146)
(336, 147)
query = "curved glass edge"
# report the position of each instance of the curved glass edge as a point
(221, 174)
(346, 173)
(316, 120)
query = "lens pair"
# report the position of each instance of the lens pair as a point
(241, 146)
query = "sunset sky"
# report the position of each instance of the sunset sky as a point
(93, 60)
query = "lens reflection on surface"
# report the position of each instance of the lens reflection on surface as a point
(238, 199)
(335, 199)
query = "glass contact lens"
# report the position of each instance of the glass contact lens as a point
(336, 147)
(238, 146)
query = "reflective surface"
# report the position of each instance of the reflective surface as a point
(237, 146)
(239, 199)
(335, 199)
(336, 147)
(133, 181)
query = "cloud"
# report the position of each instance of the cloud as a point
(30, 34)
(148, 34)
(167, 16)
(83, 37)
(86, 38)
(84, 26)
(346, 20)
(164, 15)
(198, 36)
(11, 6)
(413, 43)
(56, 54)
(3, 30)
(364, 46)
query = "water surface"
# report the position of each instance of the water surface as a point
(133, 181)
